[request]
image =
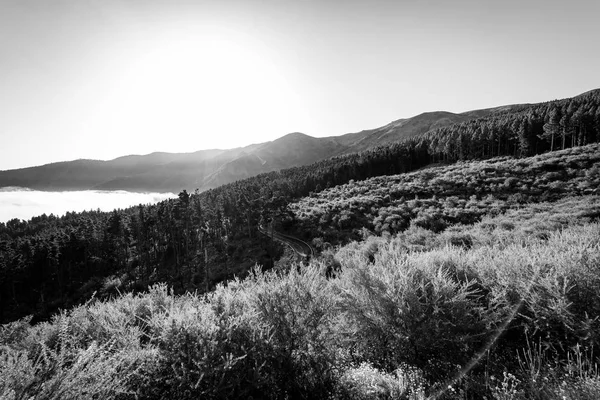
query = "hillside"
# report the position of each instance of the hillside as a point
(196, 241)
(169, 241)
(206, 169)
(478, 277)
(437, 197)
(167, 172)
(404, 129)
(91, 174)
(399, 130)
(292, 150)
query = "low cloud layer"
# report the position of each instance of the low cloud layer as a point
(24, 204)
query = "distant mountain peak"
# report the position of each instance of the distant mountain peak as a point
(295, 135)
(430, 114)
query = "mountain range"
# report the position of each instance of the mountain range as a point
(206, 169)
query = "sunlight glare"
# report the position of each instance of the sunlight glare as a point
(200, 87)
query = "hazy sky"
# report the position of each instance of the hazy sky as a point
(104, 78)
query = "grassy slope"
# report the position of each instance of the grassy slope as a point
(505, 307)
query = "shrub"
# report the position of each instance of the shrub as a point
(68, 372)
(298, 309)
(366, 382)
(401, 312)
(209, 348)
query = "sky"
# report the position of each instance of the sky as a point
(100, 79)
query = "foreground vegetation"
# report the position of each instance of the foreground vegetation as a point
(505, 308)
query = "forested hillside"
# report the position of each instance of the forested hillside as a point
(197, 240)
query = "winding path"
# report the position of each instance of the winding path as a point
(300, 247)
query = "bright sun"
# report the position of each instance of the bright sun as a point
(204, 88)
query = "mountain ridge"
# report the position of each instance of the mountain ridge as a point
(207, 169)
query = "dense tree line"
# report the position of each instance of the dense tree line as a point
(524, 131)
(199, 239)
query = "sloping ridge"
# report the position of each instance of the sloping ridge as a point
(292, 150)
(400, 129)
(172, 172)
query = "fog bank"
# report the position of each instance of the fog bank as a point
(24, 204)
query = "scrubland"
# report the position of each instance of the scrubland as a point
(505, 308)
(465, 281)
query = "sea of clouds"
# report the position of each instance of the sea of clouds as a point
(24, 204)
